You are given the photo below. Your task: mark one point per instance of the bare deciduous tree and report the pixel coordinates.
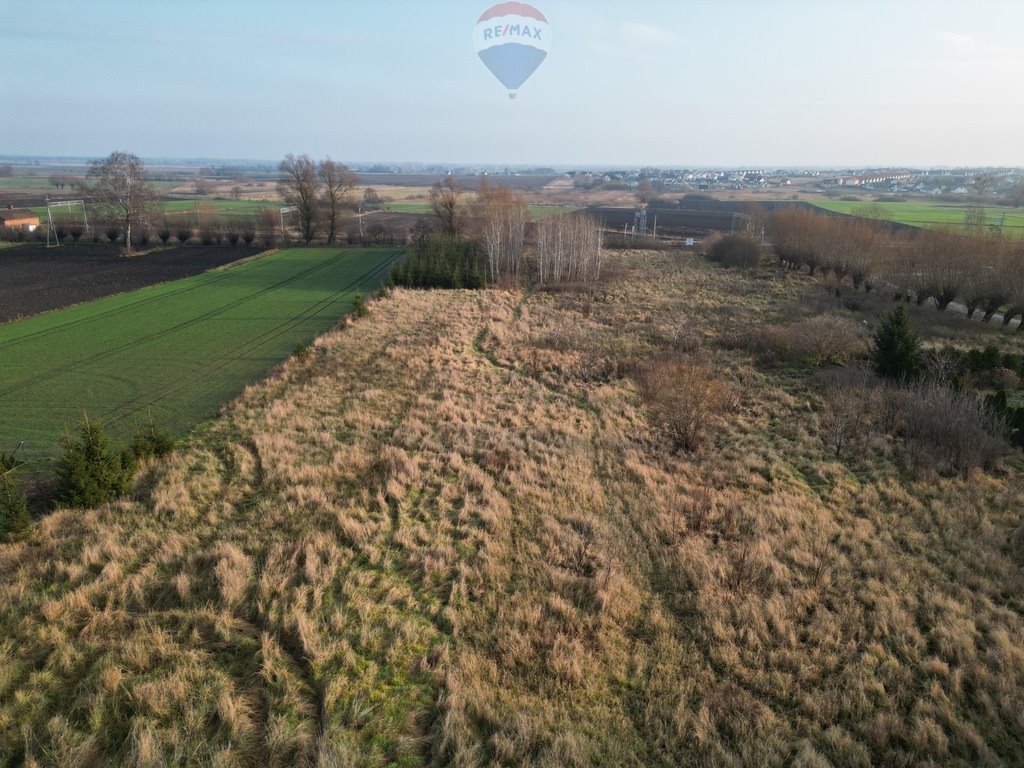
(372, 201)
(203, 186)
(299, 186)
(445, 203)
(119, 186)
(842, 419)
(268, 225)
(645, 191)
(338, 181)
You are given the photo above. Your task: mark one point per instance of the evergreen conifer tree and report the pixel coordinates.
(896, 347)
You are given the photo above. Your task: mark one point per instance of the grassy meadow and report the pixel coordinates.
(453, 534)
(173, 352)
(924, 214)
(224, 208)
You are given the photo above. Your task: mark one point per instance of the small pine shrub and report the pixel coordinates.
(91, 473)
(896, 347)
(14, 515)
(7, 462)
(359, 308)
(150, 441)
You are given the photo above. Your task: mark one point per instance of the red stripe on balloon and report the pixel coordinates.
(513, 9)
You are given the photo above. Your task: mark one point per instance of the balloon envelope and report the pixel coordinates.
(512, 40)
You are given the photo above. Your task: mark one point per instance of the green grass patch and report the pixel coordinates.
(222, 208)
(924, 214)
(23, 183)
(173, 352)
(42, 184)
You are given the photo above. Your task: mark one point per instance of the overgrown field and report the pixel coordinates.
(536, 211)
(174, 352)
(918, 214)
(457, 533)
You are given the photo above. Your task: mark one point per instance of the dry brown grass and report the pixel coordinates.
(441, 539)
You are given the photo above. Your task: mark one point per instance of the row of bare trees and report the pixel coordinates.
(567, 248)
(570, 249)
(981, 271)
(503, 231)
(317, 191)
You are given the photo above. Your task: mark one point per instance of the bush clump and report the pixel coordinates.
(150, 441)
(735, 251)
(91, 473)
(949, 432)
(683, 394)
(1010, 410)
(359, 308)
(815, 341)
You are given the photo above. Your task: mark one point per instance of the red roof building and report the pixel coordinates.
(18, 218)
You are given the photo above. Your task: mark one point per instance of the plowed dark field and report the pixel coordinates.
(35, 279)
(693, 219)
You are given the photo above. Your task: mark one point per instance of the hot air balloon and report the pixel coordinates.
(513, 39)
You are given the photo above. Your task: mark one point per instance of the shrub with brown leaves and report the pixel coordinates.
(820, 340)
(682, 395)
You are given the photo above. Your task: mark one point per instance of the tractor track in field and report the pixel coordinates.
(139, 341)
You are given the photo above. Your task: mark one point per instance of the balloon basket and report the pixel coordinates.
(512, 97)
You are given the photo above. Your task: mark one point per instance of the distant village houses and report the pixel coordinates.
(874, 178)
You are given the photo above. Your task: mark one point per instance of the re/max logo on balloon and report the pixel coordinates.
(513, 30)
(512, 39)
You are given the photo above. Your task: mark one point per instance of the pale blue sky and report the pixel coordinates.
(697, 82)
